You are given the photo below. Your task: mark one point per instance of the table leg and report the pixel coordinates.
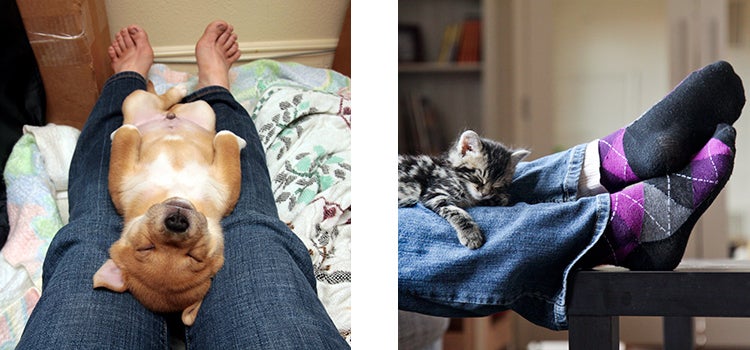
(678, 333)
(593, 332)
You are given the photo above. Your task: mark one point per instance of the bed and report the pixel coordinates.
(303, 116)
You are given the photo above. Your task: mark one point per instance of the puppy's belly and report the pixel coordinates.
(160, 179)
(160, 123)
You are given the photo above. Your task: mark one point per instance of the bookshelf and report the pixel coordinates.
(453, 93)
(504, 95)
(448, 75)
(439, 67)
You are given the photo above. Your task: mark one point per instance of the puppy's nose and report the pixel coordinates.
(177, 222)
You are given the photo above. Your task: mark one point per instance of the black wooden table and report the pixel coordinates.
(702, 288)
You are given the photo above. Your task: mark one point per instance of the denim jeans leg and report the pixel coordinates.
(70, 313)
(552, 178)
(524, 264)
(264, 297)
(230, 115)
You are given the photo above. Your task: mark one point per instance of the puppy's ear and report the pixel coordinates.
(189, 314)
(109, 276)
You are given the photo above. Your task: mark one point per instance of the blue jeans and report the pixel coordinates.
(531, 247)
(264, 297)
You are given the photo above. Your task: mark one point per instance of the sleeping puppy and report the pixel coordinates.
(172, 178)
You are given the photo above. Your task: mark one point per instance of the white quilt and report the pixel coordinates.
(307, 139)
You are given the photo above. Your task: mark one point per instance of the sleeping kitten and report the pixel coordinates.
(475, 171)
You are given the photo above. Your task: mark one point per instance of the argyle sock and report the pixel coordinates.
(664, 138)
(650, 221)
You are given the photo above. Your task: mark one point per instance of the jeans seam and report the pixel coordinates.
(165, 333)
(602, 214)
(503, 302)
(187, 338)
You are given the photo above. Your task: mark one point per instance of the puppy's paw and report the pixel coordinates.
(240, 141)
(124, 127)
(173, 96)
(181, 90)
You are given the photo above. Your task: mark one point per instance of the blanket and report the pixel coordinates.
(303, 116)
(36, 179)
(306, 135)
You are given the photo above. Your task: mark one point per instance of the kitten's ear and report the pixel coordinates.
(517, 156)
(469, 141)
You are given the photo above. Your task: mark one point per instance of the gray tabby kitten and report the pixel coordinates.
(475, 171)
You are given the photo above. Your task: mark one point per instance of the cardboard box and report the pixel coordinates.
(70, 40)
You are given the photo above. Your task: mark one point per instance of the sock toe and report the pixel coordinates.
(720, 77)
(665, 137)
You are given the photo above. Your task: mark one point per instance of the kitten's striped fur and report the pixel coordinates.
(475, 171)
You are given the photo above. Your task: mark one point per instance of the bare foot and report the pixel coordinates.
(215, 52)
(131, 51)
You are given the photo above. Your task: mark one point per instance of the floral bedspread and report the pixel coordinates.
(306, 135)
(303, 116)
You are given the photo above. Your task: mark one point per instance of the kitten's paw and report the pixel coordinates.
(472, 238)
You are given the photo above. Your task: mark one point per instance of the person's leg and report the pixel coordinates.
(70, 313)
(215, 52)
(264, 296)
(552, 178)
(523, 264)
(530, 249)
(660, 141)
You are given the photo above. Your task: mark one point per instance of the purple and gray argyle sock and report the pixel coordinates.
(664, 138)
(650, 221)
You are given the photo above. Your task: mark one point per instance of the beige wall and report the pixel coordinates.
(611, 64)
(265, 28)
(738, 53)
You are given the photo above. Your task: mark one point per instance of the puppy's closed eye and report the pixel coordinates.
(146, 248)
(143, 252)
(194, 257)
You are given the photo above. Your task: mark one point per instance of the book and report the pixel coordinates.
(470, 41)
(449, 45)
(461, 41)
